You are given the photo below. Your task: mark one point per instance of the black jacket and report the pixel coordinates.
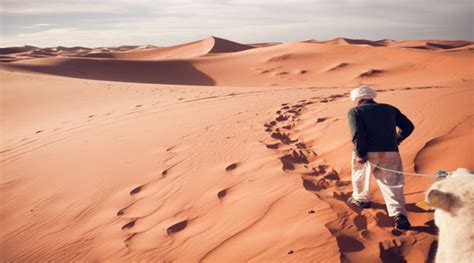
(374, 127)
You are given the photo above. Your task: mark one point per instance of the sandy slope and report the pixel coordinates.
(103, 167)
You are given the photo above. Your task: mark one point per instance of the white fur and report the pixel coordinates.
(456, 226)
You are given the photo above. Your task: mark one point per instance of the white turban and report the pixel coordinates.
(363, 92)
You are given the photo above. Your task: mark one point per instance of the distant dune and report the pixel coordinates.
(216, 61)
(189, 50)
(216, 151)
(348, 41)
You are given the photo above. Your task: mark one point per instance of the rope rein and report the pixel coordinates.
(439, 173)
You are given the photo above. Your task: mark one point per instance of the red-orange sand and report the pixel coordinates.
(216, 151)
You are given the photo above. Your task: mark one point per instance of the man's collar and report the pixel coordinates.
(367, 102)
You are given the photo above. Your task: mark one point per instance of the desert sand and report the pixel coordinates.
(217, 151)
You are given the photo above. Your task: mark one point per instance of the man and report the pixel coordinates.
(374, 135)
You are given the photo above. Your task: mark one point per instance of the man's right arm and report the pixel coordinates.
(405, 125)
(359, 136)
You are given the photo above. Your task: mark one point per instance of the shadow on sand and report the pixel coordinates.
(177, 72)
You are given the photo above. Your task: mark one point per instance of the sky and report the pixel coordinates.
(46, 23)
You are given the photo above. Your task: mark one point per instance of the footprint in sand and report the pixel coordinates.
(222, 193)
(281, 118)
(273, 146)
(282, 137)
(295, 112)
(231, 167)
(177, 227)
(129, 225)
(310, 186)
(136, 190)
(335, 96)
(282, 73)
(392, 251)
(349, 244)
(295, 157)
(120, 212)
(318, 120)
(360, 221)
(300, 145)
(298, 106)
(170, 148)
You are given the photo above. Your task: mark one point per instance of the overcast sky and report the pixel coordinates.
(167, 22)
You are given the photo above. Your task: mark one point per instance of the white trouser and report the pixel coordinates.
(390, 183)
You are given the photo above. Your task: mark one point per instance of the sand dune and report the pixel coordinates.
(28, 52)
(203, 47)
(13, 50)
(164, 72)
(349, 41)
(299, 63)
(431, 44)
(216, 151)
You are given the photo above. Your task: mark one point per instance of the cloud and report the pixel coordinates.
(41, 25)
(166, 22)
(62, 6)
(37, 25)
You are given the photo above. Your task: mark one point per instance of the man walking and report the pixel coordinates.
(375, 137)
